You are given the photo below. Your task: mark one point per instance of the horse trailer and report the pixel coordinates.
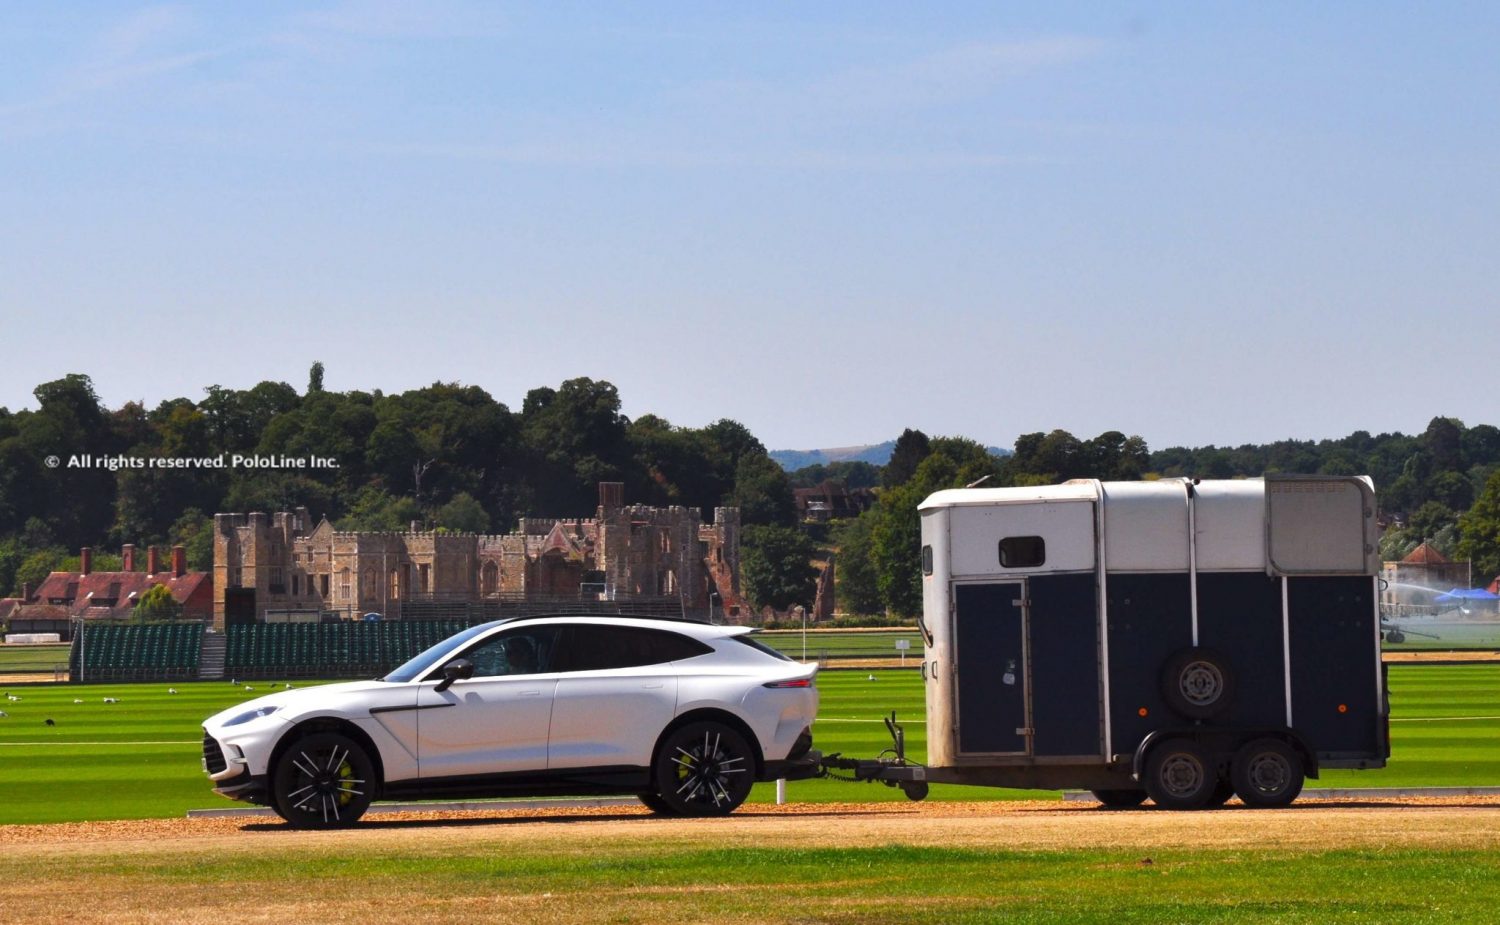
(1180, 639)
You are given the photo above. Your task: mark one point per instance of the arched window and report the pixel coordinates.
(395, 585)
(345, 592)
(490, 578)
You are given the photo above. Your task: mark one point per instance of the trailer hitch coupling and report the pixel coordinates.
(890, 767)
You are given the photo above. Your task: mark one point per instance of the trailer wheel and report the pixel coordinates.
(1180, 775)
(1395, 636)
(1267, 773)
(1120, 799)
(1197, 683)
(915, 790)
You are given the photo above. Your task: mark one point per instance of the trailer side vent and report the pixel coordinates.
(1022, 552)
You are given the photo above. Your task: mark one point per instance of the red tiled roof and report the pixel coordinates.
(78, 592)
(1425, 555)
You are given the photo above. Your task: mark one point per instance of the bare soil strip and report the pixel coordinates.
(1461, 822)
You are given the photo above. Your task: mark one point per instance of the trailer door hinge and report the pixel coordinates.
(1025, 731)
(1021, 602)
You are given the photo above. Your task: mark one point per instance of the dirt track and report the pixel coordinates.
(1469, 822)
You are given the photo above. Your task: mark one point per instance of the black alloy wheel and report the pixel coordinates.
(703, 769)
(323, 781)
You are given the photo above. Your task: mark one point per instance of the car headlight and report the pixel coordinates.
(251, 714)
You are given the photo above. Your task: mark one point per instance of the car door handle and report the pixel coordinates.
(531, 693)
(654, 685)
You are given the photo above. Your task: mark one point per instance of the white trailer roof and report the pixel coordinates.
(1283, 525)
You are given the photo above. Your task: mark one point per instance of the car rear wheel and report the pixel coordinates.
(703, 769)
(323, 781)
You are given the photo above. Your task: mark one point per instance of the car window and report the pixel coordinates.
(427, 658)
(524, 650)
(591, 647)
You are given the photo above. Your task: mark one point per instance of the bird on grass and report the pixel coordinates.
(249, 688)
(50, 722)
(111, 700)
(76, 700)
(3, 714)
(12, 698)
(171, 690)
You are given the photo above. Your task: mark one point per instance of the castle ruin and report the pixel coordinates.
(283, 564)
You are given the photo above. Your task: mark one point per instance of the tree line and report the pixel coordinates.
(1441, 486)
(453, 457)
(448, 455)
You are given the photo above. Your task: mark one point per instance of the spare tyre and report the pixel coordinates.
(1197, 683)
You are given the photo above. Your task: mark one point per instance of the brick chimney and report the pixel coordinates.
(127, 557)
(26, 592)
(153, 560)
(179, 561)
(85, 560)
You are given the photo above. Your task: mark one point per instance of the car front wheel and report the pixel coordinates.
(323, 781)
(703, 769)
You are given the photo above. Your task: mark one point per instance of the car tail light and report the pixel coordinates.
(798, 682)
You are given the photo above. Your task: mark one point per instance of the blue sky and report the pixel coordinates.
(1201, 223)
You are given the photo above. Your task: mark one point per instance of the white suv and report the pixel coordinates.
(685, 715)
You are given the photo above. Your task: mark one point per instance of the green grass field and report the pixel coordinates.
(688, 879)
(836, 644)
(139, 758)
(18, 659)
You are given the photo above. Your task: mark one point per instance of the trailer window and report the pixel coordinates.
(1022, 552)
(926, 560)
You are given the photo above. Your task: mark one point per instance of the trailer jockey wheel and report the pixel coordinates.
(1180, 775)
(1197, 683)
(915, 790)
(1267, 773)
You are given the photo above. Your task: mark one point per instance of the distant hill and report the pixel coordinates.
(876, 453)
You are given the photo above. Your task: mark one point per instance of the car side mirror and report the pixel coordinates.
(460, 669)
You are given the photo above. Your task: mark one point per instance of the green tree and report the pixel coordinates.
(156, 605)
(763, 492)
(35, 568)
(463, 514)
(776, 566)
(315, 378)
(1479, 532)
(911, 448)
(896, 536)
(377, 510)
(194, 531)
(857, 586)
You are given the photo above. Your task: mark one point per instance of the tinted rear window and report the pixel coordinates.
(589, 647)
(757, 644)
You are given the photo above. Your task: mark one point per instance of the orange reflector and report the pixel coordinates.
(1343, 708)
(1143, 711)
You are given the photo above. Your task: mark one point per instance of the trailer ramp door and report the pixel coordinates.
(990, 655)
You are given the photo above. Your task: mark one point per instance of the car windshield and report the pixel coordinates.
(428, 658)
